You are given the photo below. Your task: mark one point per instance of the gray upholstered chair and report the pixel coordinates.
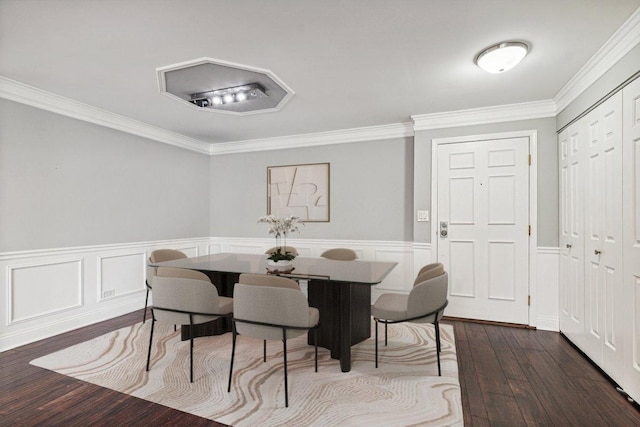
(340, 254)
(269, 309)
(424, 304)
(158, 255)
(284, 249)
(184, 301)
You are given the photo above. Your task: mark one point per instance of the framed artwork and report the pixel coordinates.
(299, 190)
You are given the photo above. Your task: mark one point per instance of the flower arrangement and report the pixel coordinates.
(280, 228)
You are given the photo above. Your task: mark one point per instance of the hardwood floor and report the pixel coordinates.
(509, 377)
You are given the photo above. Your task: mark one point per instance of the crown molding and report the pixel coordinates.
(372, 133)
(29, 95)
(614, 49)
(484, 115)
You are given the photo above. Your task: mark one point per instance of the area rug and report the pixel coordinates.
(404, 390)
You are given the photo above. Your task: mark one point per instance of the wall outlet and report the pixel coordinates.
(109, 293)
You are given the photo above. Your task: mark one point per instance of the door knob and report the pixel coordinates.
(443, 229)
(597, 252)
(568, 246)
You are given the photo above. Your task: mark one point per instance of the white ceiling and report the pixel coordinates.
(351, 64)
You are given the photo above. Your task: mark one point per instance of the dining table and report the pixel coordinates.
(340, 290)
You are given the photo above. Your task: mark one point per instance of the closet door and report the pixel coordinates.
(571, 268)
(603, 236)
(631, 223)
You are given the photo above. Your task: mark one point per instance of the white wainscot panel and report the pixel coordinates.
(215, 248)
(400, 278)
(246, 248)
(121, 274)
(44, 289)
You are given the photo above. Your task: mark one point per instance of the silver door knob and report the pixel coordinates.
(597, 252)
(568, 246)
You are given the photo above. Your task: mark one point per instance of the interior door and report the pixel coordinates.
(603, 235)
(571, 268)
(483, 213)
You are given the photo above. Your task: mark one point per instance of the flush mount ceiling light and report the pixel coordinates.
(216, 86)
(501, 57)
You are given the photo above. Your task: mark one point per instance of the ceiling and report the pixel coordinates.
(351, 64)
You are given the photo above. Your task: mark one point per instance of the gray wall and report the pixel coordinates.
(547, 159)
(371, 190)
(64, 182)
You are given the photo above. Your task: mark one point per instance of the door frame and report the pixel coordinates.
(533, 200)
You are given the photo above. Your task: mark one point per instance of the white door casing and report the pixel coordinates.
(483, 191)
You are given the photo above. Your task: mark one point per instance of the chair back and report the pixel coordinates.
(183, 273)
(161, 255)
(428, 272)
(267, 280)
(284, 249)
(427, 296)
(270, 305)
(340, 254)
(184, 295)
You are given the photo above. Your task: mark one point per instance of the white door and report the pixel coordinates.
(571, 268)
(630, 303)
(603, 235)
(483, 205)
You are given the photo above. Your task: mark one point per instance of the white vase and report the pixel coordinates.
(282, 266)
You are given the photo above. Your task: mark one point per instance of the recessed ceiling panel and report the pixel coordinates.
(197, 83)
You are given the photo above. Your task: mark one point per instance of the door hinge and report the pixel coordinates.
(529, 159)
(529, 230)
(529, 300)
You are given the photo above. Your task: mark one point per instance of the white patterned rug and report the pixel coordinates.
(404, 390)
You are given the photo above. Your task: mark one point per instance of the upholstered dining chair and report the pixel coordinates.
(185, 301)
(340, 254)
(284, 249)
(159, 255)
(270, 309)
(424, 304)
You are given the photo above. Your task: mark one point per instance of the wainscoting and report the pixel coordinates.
(48, 292)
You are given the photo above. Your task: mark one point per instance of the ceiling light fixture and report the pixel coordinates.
(220, 97)
(501, 57)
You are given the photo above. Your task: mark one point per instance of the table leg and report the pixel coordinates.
(345, 327)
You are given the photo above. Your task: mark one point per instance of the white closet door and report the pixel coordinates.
(631, 223)
(571, 222)
(603, 236)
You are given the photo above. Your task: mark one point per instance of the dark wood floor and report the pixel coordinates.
(509, 377)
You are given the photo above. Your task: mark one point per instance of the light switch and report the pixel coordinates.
(423, 216)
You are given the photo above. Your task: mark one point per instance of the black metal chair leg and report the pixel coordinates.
(153, 322)
(438, 346)
(233, 353)
(264, 350)
(385, 333)
(191, 349)
(146, 301)
(376, 342)
(286, 384)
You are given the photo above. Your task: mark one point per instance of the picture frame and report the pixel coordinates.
(299, 190)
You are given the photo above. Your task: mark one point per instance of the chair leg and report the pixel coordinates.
(146, 301)
(385, 333)
(153, 322)
(191, 348)
(264, 350)
(376, 342)
(233, 353)
(436, 324)
(286, 384)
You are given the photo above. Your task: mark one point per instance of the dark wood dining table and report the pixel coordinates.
(340, 290)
